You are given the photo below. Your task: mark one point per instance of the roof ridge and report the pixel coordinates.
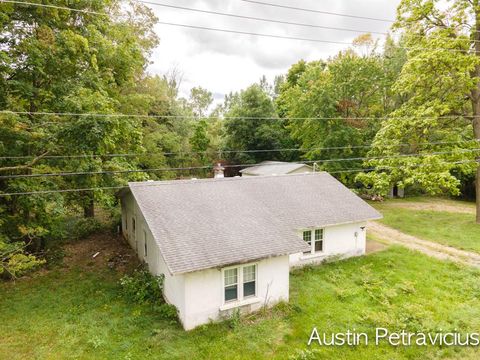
(211, 180)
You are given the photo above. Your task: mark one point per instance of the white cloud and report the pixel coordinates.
(225, 62)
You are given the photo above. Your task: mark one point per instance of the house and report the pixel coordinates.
(276, 168)
(229, 243)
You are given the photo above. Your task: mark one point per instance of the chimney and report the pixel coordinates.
(218, 171)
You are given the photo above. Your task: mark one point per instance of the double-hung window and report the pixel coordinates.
(249, 283)
(307, 237)
(318, 247)
(240, 282)
(315, 240)
(231, 284)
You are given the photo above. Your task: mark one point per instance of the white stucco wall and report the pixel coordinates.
(204, 292)
(338, 241)
(174, 289)
(199, 296)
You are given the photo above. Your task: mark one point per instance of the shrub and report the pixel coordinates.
(14, 262)
(142, 287)
(235, 319)
(85, 227)
(167, 312)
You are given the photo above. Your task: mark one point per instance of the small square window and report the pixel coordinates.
(319, 234)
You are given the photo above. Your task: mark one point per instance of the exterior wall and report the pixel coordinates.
(174, 289)
(199, 296)
(338, 241)
(204, 292)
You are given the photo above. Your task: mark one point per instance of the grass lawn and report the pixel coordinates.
(77, 313)
(457, 229)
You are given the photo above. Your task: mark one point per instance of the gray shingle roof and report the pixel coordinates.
(272, 168)
(201, 224)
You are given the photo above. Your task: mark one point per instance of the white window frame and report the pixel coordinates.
(313, 240)
(240, 296)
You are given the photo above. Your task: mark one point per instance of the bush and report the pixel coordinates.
(142, 287)
(14, 262)
(167, 311)
(85, 227)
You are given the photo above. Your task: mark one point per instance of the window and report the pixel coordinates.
(145, 244)
(316, 245)
(133, 224)
(318, 240)
(231, 284)
(240, 283)
(307, 237)
(249, 281)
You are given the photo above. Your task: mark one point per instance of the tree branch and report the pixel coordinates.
(26, 166)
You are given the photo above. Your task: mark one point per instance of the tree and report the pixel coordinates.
(252, 124)
(60, 61)
(200, 101)
(335, 105)
(441, 88)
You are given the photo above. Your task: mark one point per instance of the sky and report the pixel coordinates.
(225, 62)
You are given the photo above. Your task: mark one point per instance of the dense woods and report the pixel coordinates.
(76, 98)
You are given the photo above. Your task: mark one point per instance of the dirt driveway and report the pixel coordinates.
(439, 251)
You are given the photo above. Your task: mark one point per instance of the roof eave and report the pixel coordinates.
(240, 262)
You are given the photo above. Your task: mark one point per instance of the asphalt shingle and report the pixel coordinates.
(201, 224)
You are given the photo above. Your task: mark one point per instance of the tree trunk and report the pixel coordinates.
(477, 192)
(89, 205)
(475, 96)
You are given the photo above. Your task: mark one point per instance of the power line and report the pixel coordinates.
(152, 3)
(304, 39)
(317, 11)
(245, 32)
(84, 11)
(260, 19)
(112, 172)
(82, 156)
(42, 192)
(254, 34)
(275, 21)
(192, 117)
(220, 14)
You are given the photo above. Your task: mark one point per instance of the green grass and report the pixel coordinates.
(78, 314)
(454, 229)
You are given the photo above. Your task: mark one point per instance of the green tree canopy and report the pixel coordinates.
(440, 86)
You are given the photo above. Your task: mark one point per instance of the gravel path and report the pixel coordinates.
(430, 248)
